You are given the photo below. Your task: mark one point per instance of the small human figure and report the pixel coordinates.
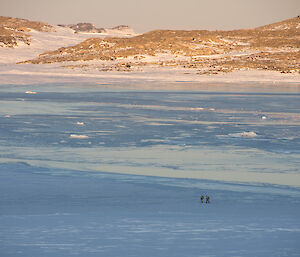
(202, 198)
(207, 199)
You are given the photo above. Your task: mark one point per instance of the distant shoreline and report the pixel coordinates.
(33, 74)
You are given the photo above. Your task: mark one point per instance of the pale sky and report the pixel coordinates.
(146, 15)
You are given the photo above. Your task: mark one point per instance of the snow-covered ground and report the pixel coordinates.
(48, 41)
(26, 74)
(42, 42)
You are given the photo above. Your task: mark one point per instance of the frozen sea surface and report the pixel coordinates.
(50, 212)
(242, 136)
(102, 171)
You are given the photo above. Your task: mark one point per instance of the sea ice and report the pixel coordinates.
(78, 136)
(246, 134)
(52, 212)
(70, 198)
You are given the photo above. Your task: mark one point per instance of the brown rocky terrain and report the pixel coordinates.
(271, 47)
(13, 30)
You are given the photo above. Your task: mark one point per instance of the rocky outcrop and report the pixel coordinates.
(121, 29)
(13, 30)
(83, 27)
(91, 28)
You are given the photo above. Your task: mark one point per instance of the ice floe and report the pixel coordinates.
(78, 136)
(248, 134)
(244, 134)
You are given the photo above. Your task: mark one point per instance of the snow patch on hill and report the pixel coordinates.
(42, 42)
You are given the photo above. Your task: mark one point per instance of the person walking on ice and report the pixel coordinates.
(202, 198)
(207, 199)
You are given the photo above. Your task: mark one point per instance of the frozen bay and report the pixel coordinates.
(64, 147)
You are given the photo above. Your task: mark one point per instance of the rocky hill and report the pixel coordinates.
(272, 47)
(82, 27)
(14, 30)
(121, 29)
(290, 24)
(91, 28)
